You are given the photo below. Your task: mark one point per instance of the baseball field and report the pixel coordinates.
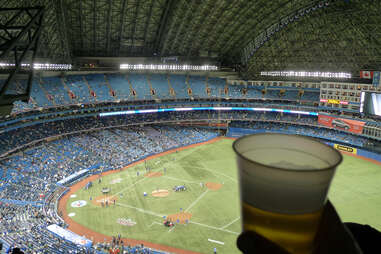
(206, 214)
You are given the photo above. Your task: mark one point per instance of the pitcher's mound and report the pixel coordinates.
(160, 193)
(153, 174)
(98, 200)
(213, 186)
(182, 217)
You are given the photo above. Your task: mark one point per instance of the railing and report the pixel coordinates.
(233, 117)
(86, 111)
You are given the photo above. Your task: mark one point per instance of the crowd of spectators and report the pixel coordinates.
(20, 137)
(24, 227)
(116, 246)
(29, 178)
(312, 131)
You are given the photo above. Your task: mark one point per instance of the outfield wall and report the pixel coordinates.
(356, 151)
(238, 132)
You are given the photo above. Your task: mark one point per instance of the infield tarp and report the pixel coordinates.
(73, 177)
(69, 236)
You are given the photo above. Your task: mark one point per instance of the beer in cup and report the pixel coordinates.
(284, 181)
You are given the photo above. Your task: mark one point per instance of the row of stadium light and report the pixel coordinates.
(145, 111)
(306, 74)
(46, 66)
(168, 67)
(39, 66)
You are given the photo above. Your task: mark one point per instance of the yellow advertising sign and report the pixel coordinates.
(332, 101)
(347, 149)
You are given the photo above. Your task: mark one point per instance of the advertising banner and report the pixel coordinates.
(347, 149)
(376, 79)
(341, 123)
(333, 101)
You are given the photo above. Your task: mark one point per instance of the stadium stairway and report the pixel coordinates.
(76, 84)
(120, 85)
(139, 84)
(152, 90)
(197, 84)
(54, 87)
(160, 84)
(92, 93)
(178, 83)
(98, 84)
(41, 95)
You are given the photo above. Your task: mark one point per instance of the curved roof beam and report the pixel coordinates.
(254, 45)
(336, 39)
(169, 6)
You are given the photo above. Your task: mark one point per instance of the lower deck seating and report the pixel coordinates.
(28, 179)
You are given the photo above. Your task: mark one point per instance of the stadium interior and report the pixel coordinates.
(92, 86)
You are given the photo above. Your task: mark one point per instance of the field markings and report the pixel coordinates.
(215, 241)
(178, 179)
(161, 216)
(195, 202)
(171, 229)
(141, 210)
(132, 185)
(219, 229)
(154, 223)
(227, 225)
(215, 172)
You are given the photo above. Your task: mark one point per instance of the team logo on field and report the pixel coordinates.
(79, 203)
(126, 222)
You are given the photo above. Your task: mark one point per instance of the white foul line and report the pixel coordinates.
(154, 223)
(177, 179)
(161, 216)
(128, 187)
(215, 241)
(198, 199)
(141, 210)
(227, 225)
(213, 171)
(220, 229)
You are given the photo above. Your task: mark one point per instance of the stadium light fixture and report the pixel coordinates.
(306, 74)
(166, 67)
(39, 66)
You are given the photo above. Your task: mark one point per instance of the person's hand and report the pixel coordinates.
(252, 242)
(332, 238)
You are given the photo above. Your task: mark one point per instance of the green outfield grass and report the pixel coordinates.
(355, 193)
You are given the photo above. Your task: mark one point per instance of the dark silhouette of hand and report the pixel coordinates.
(333, 237)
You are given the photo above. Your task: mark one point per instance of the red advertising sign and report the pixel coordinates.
(341, 123)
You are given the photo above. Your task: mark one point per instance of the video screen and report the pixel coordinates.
(371, 103)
